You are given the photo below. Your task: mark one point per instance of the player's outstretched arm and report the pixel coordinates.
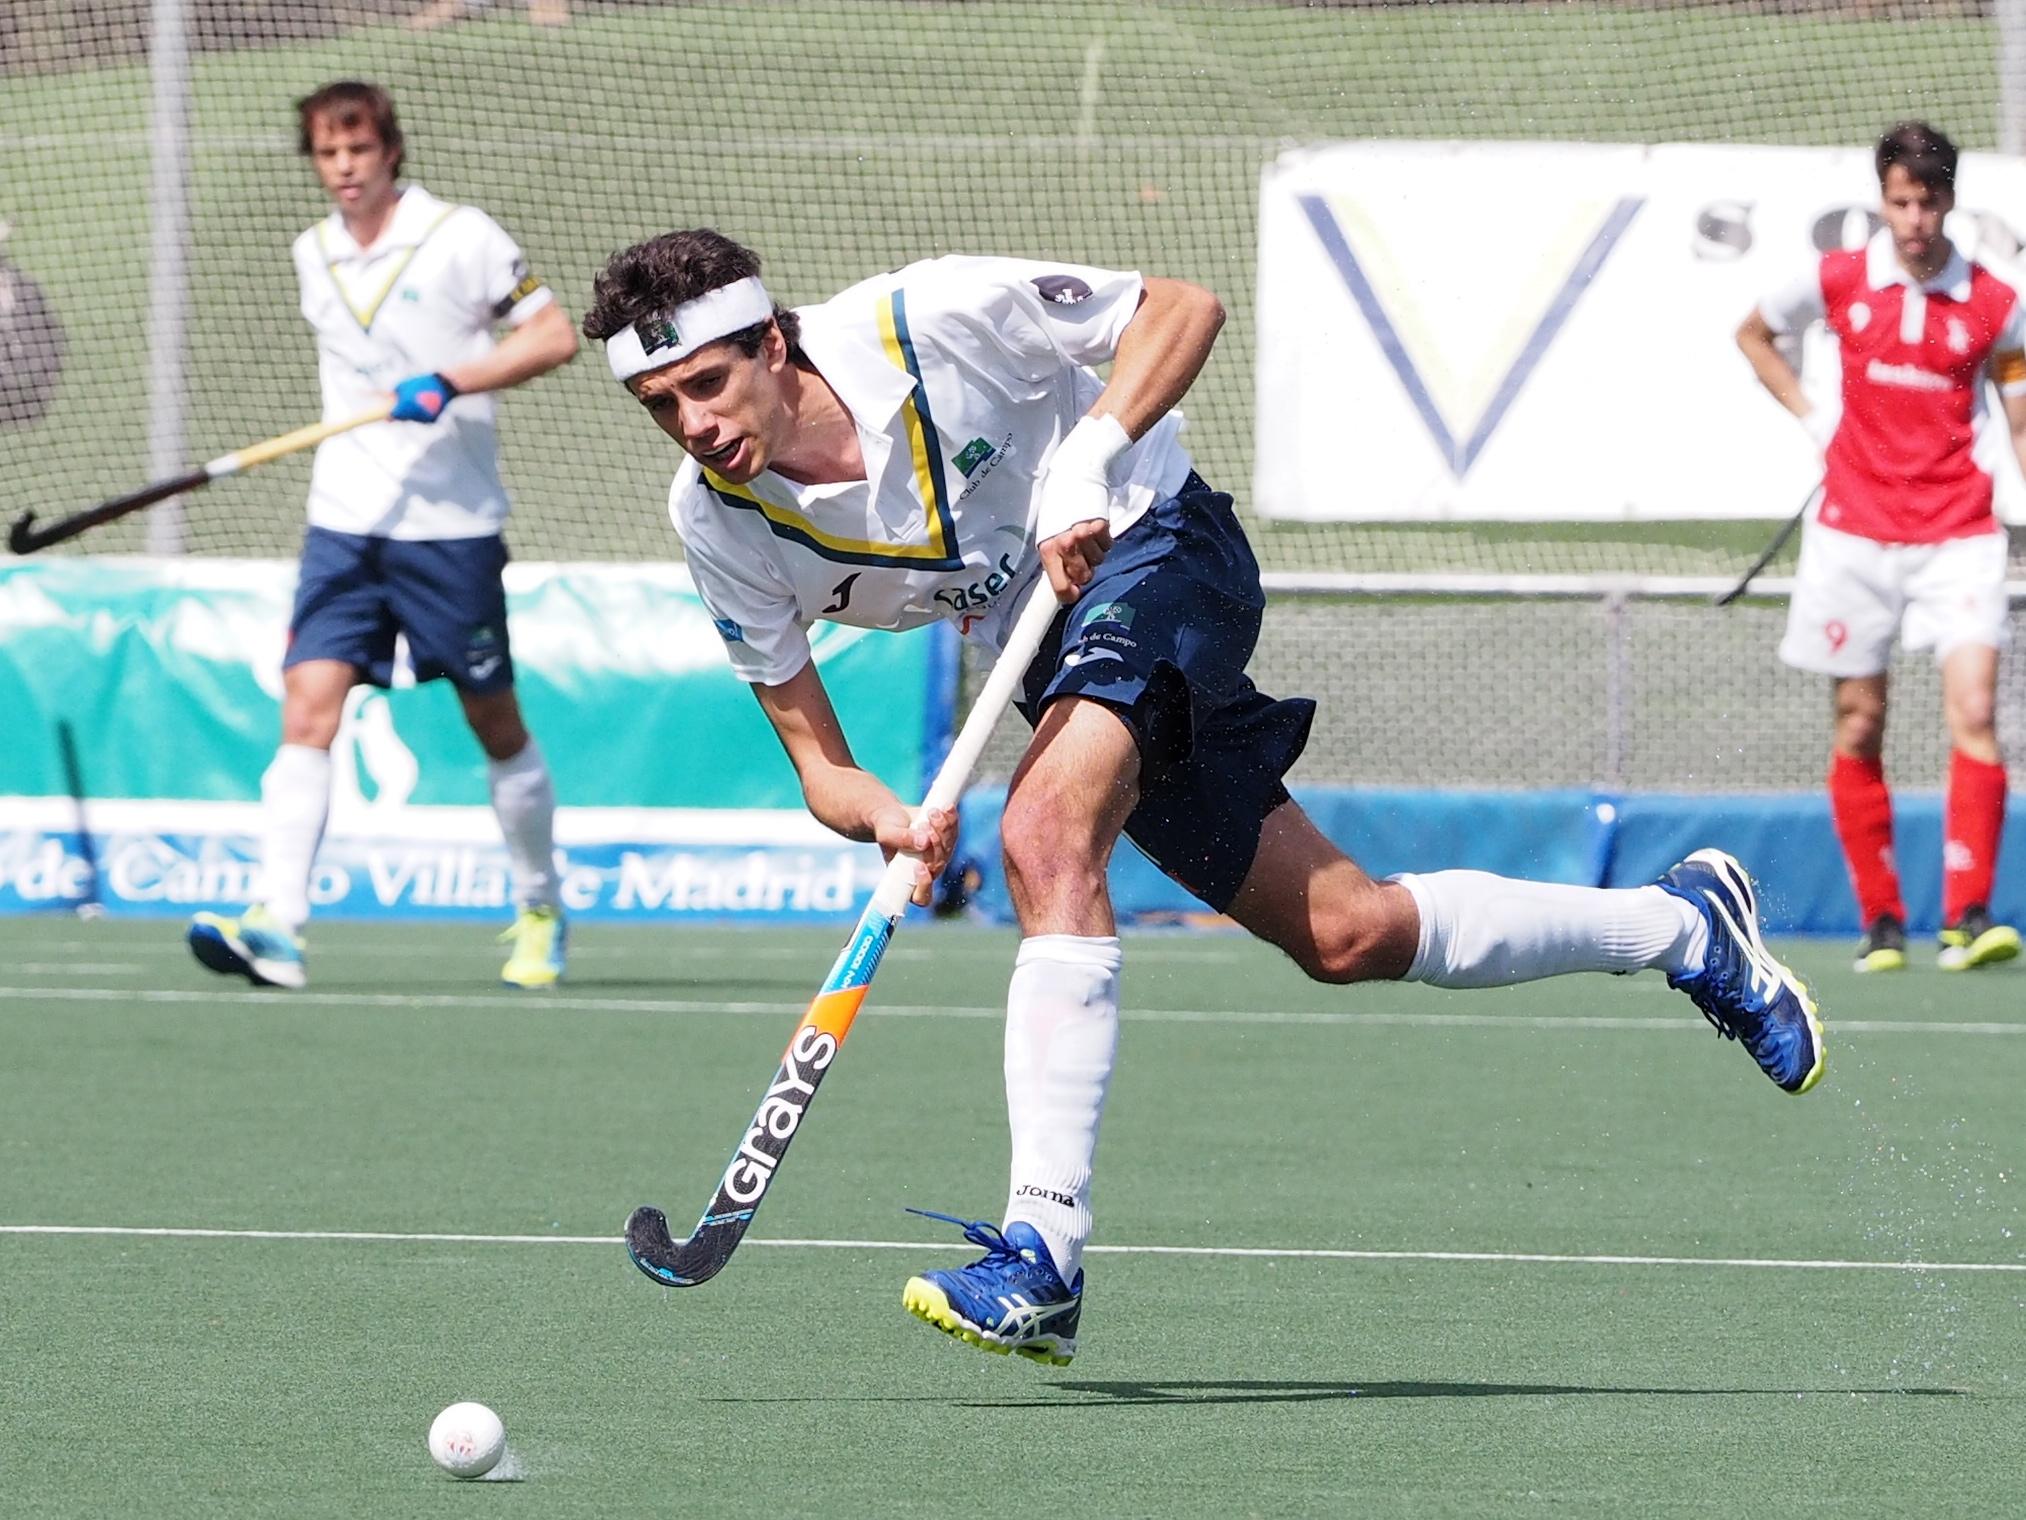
(843, 796)
(546, 341)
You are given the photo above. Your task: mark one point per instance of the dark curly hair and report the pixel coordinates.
(653, 278)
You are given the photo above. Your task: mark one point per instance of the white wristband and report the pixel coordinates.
(1077, 485)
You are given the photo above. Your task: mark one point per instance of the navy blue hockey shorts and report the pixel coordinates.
(356, 592)
(1161, 636)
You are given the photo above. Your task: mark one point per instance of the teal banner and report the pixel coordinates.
(137, 679)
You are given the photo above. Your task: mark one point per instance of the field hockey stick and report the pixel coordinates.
(815, 1042)
(26, 538)
(1724, 599)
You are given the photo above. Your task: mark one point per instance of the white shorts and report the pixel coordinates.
(1852, 594)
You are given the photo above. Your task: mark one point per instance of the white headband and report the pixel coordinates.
(655, 342)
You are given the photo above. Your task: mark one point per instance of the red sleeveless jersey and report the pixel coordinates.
(1900, 467)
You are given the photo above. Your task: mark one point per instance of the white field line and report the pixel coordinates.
(1161, 946)
(503, 1002)
(73, 968)
(1274, 1253)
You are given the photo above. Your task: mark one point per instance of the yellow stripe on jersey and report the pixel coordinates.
(790, 524)
(923, 445)
(925, 450)
(2009, 369)
(372, 309)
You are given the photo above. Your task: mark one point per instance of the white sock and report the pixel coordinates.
(1480, 930)
(1062, 1034)
(524, 797)
(295, 799)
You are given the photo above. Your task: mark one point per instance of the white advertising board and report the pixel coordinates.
(1544, 332)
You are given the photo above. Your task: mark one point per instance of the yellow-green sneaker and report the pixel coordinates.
(1974, 940)
(539, 937)
(1883, 947)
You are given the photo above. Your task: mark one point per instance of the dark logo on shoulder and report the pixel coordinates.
(1062, 289)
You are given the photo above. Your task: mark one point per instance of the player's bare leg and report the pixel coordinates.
(1975, 816)
(1065, 809)
(1860, 802)
(1312, 900)
(264, 944)
(1449, 928)
(524, 800)
(1067, 805)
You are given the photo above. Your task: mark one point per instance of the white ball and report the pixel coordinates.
(467, 1440)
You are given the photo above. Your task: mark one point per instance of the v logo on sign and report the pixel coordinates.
(1461, 453)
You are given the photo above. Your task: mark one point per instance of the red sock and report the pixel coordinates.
(1973, 824)
(1862, 807)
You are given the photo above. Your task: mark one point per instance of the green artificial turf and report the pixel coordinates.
(1587, 1118)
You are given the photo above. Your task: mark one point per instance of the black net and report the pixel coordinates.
(839, 137)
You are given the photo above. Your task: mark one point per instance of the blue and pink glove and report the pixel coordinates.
(421, 398)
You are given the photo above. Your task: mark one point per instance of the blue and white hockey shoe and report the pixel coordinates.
(1010, 1300)
(255, 945)
(1741, 989)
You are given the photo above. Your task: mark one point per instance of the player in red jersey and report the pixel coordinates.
(1905, 540)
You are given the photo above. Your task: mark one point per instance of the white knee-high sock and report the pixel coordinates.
(1062, 1034)
(524, 798)
(1480, 930)
(295, 801)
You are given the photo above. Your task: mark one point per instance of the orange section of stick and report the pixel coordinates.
(832, 1012)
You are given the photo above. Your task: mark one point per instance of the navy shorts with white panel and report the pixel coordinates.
(356, 592)
(1161, 635)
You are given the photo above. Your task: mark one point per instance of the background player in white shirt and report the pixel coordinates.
(926, 446)
(1905, 541)
(403, 291)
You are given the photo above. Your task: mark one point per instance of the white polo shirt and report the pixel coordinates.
(424, 297)
(962, 374)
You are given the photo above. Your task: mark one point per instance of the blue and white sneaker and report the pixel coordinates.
(1741, 989)
(256, 945)
(1010, 1300)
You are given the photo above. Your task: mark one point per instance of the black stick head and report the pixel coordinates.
(21, 537)
(648, 1241)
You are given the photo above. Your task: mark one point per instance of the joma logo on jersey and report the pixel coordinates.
(752, 1166)
(979, 593)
